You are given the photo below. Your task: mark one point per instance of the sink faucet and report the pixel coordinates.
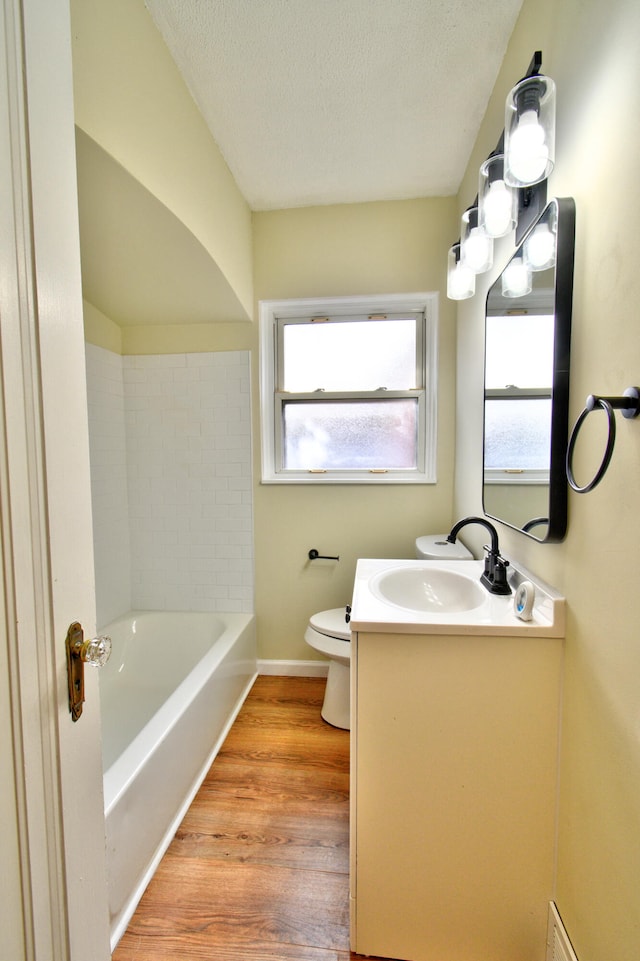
(494, 576)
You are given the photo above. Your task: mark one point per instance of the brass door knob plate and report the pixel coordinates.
(95, 651)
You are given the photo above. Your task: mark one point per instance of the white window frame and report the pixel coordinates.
(270, 311)
(520, 475)
(515, 476)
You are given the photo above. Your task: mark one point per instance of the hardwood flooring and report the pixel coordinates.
(259, 868)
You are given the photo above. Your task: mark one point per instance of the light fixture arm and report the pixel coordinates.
(534, 67)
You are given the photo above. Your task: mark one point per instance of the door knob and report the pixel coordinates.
(95, 651)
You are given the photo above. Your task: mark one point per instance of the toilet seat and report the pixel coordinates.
(329, 634)
(332, 623)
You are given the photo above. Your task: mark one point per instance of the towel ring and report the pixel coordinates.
(629, 404)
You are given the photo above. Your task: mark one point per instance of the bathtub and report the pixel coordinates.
(169, 694)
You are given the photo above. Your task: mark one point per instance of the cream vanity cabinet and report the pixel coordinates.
(453, 794)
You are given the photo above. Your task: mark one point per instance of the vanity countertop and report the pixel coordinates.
(494, 616)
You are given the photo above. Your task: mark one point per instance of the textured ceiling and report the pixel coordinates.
(339, 101)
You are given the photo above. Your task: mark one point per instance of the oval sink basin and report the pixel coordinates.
(428, 589)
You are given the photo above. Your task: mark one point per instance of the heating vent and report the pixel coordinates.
(558, 943)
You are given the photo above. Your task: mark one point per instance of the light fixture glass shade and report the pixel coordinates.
(540, 248)
(529, 131)
(461, 280)
(516, 278)
(497, 201)
(476, 246)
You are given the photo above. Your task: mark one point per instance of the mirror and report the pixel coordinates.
(526, 379)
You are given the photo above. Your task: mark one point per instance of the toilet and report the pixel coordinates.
(328, 633)
(436, 547)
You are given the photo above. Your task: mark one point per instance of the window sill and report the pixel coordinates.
(364, 478)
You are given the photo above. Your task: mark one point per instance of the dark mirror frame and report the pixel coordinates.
(563, 296)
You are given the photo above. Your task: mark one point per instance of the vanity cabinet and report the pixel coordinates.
(453, 794)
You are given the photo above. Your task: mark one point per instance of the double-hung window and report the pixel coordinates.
(348, 390)
(517, 407)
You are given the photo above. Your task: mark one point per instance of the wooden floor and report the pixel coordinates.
(258, 870)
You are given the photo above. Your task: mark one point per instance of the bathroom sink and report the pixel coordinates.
(403, 596)
(431, 589)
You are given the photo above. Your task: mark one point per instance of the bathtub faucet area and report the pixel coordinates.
(494, 576)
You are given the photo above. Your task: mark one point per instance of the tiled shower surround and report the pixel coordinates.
(170, 440)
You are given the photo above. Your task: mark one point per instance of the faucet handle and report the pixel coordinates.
(494, 577)
(500, 574)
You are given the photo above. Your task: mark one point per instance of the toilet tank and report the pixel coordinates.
(436, 547)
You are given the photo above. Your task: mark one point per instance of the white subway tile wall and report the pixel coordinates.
(108, 451)
(187, 426)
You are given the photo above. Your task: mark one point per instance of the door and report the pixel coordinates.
(53, 821)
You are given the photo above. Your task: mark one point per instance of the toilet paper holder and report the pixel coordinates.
(315, 555)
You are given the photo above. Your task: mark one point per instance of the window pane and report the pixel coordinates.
(350, 435)
(517, 434)
(509, 362)
(350, 355)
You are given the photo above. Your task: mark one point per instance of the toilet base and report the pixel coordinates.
(337, 696)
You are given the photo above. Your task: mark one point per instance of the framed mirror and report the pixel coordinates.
(526, 379)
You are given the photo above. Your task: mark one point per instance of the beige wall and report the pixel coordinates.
(334, 251)
(592, 50)
(131, 100)
(100, 330)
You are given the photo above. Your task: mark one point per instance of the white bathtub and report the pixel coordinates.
(169, 693)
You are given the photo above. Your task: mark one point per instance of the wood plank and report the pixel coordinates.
(276, 784)
(303, 751)
(264, 836)
(288, 690)
(209, 901)
(174, 949)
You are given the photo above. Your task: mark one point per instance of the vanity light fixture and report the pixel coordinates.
(476, 245)
(516, 278)
(540, 247)
(529, 127)
(497, 201)
(461, 280)
(512, 191)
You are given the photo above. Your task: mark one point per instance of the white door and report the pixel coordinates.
(52, 833)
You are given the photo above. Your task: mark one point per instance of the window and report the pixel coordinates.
(348, 390)
(517, 409)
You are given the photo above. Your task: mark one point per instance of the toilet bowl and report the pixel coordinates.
(328, 633)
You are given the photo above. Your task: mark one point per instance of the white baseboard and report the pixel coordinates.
(293, 668)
